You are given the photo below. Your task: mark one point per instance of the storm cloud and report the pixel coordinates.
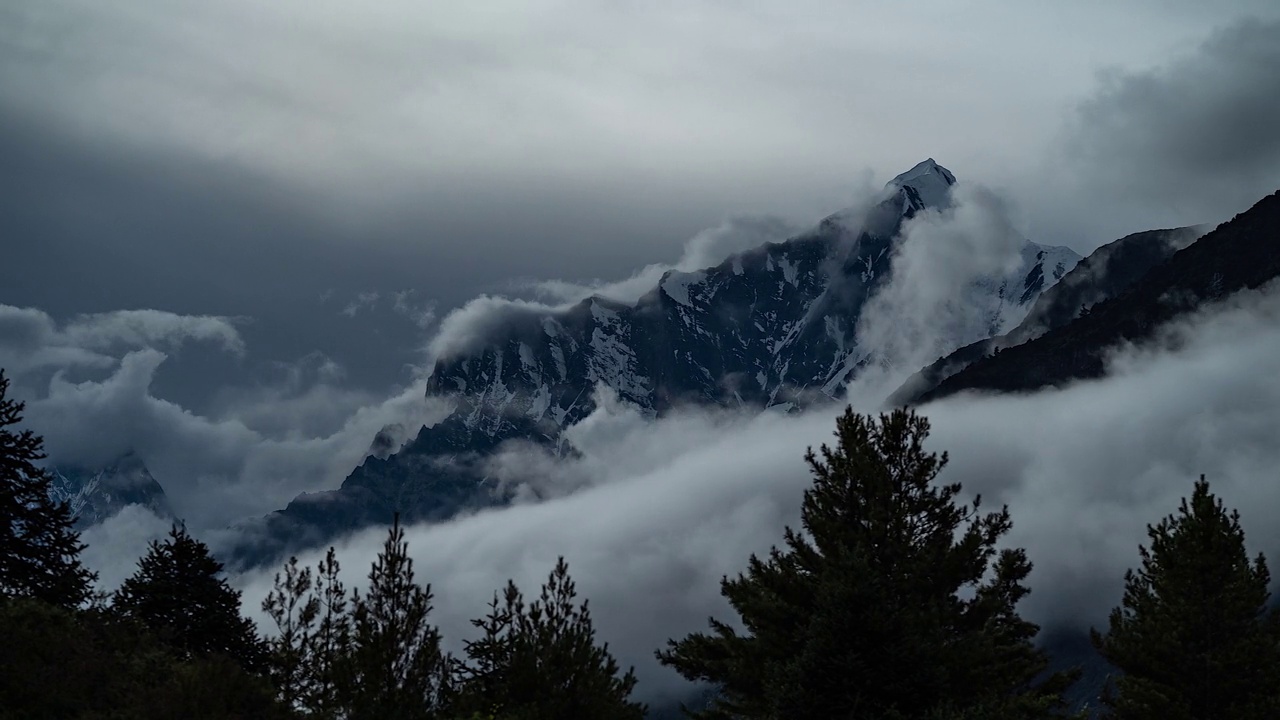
(1191, 140)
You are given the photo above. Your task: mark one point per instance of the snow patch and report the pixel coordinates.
(676, 285)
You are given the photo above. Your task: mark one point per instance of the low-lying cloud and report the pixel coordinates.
(88, 384)
(673, 505)
(217, 470)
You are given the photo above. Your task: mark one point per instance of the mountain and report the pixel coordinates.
(775, 326)
(1107, 272)
(96, 494)
(1238, 255)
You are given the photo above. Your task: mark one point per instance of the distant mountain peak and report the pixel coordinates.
(96, 493)
(927, 185)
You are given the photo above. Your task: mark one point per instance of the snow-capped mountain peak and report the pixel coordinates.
(927, 185)
(776, 326)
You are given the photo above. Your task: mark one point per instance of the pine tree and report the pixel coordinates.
(542, 661)
(893, 601)
(396, 669)
(294, 609)
(310, 655)
(1193, 635)
(39, 547)
(177, 592)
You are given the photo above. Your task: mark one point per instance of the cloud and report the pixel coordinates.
(654, 513)
(930, 301)
(116, 544)
(1190, 140)
(1204, 123)
(363, 300)
(469, 327)
(30, 339)
(253, 457)
(705, 249)
(423, 315)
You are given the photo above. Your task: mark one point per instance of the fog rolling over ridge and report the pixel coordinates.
(782, 326)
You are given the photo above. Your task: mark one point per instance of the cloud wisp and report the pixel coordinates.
(31, 340)
(931, 299)
(468, 327)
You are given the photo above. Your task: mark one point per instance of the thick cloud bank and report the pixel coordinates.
(1190, 140)
(88, 386)
(669, 507)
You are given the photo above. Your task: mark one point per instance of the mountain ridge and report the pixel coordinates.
(774, 326)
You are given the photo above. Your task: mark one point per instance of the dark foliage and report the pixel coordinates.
(893, 601)
(541, 660)
(59, 663)
(39, 547)
(177, 592)
(1193, 635)
(396, 669)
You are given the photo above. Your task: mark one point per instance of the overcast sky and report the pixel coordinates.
(244, 158)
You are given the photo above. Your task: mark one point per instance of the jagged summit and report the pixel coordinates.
(926, 185)
(97, 493)
(776, 326)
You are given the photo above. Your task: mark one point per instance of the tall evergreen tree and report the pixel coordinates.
(294, 609)
(396, 669)
(542, 661)
(39, 547)
(893, 601)
(177, 592)
(1193, 635)
(310, 655)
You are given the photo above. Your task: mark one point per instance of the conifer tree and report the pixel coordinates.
(39, 547)
(541, 660)
(892, 602)
(310, 655)
(294, 609)
(1193, 635)
(396, 669)
(177, 592)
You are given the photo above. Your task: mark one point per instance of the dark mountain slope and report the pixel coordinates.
(1107, 272)
(1241, 254)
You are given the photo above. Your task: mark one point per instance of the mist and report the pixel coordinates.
(662, 510)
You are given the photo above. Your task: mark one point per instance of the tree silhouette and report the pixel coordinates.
(39, 547)
(177, 592)
(892, 602)
(396, 669)
(1193, 634)
(541, 660)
